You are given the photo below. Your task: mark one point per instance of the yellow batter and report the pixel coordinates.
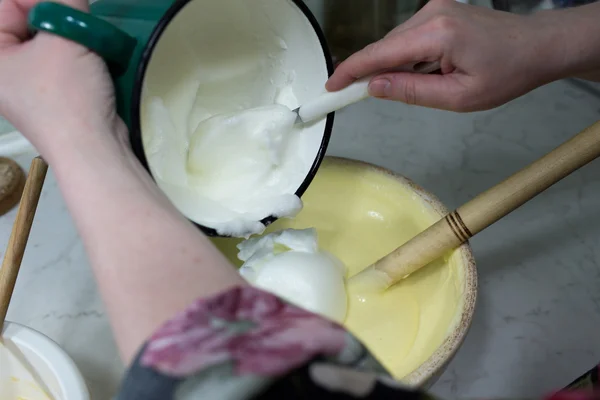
(360, 215)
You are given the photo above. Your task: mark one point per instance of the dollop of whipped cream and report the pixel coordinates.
(289, 264)
(234, 170)
(240, 156)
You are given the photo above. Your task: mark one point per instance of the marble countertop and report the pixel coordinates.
(538, 318)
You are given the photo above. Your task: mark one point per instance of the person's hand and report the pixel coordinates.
(50, 88)
(487, 58)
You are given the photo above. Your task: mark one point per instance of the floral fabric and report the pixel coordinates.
(257, 334)
(247, 344)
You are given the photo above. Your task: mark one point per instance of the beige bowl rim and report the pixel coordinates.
(439, 360)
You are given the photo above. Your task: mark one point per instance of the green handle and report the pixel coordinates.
(109, 42)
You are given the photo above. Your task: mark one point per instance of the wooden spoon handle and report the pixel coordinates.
(20, 233)
(459, 226)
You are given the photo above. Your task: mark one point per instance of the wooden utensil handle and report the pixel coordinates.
(20, 233)
(487, 208)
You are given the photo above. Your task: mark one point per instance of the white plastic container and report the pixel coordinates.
(52, 369)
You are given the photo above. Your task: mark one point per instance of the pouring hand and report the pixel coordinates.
(487, 57)
(50, 86)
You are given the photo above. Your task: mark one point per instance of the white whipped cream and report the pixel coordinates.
(247, 153)
(214, 60)
(289, 264)
(234, 170)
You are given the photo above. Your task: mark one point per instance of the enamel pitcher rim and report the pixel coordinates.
(135, 133)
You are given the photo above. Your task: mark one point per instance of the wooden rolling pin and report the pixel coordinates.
(20, 233)
(476, 215)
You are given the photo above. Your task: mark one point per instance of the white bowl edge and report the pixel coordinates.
(64, 370)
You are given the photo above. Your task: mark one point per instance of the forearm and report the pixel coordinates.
(575, 50)
(149, 261)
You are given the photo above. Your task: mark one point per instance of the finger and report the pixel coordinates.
(388, 53)
(434, 91)
(13, 22)
(13, 18)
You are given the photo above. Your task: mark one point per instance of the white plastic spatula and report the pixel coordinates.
(329, 102)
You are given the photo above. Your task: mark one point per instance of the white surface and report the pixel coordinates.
(14, 143)
(36, 365)
(289, 264)
(538, 317)
(221, 57)
(5, 126)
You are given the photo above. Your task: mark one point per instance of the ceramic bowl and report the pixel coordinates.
(52, 368)
(364, 214)
(430, 371)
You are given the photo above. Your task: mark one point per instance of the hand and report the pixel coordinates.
(487, 58)
(50, 88)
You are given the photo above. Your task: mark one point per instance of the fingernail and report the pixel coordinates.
(380, 88)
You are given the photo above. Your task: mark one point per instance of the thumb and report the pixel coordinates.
(433, 91)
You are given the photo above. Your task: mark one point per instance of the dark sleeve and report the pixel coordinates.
(246, 344)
